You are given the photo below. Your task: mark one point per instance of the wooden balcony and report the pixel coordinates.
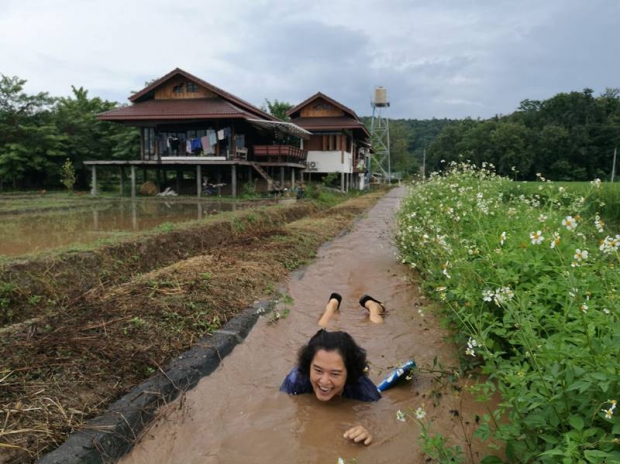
(280, 153)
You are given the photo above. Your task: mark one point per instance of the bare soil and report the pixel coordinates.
(79, 331)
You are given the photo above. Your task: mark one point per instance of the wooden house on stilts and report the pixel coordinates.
(197, 130)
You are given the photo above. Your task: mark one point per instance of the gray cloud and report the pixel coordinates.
(447, 58)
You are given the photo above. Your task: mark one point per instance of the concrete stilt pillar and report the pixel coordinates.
(199, 181)
(342, 181)
(93, 171)
(234, 180)
(122, 186)
(133, 182)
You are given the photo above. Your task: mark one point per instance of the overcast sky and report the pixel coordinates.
(437, 58)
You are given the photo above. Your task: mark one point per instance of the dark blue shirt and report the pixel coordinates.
(296, 383)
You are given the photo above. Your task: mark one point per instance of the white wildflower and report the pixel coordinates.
(420, 413)
(536, 237)
(581, 255)
(445, 269)
(569, 222)
(401, 416)
(610, 244)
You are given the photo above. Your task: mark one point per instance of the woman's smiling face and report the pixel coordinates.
(328, 374)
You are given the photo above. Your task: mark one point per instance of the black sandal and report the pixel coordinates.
(366, 298)
(335, 296)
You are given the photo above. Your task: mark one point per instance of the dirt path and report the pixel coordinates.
(237, 415)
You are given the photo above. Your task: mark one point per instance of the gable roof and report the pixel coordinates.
(144, 94)
(318, 95)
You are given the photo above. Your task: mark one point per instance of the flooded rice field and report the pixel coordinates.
(31, 232)
(237, 414)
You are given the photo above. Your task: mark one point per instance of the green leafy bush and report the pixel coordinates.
(531, 281)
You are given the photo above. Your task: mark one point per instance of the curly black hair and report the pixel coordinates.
(353, 355)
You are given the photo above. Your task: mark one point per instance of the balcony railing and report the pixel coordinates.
(281, 152)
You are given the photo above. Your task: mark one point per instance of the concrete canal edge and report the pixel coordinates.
(110, 436)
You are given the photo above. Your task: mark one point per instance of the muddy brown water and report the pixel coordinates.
(34, 232)
(237, 414)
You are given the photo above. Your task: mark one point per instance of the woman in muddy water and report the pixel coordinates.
(333, 366)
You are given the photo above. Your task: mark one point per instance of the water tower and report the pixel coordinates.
(379, 161)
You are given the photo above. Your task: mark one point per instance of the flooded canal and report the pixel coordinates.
(33, 232)
(237, 414)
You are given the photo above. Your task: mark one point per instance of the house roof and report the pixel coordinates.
(145, 108)
(145, 94)
(330, 123)
(316, 96)
(193, 108)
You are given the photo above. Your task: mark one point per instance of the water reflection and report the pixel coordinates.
(32, 232)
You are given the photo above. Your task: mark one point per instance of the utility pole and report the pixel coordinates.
(613, 166)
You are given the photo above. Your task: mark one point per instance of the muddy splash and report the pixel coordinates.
(237, 415)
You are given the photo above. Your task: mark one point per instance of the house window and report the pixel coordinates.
(192, 87)
(330, 142)
(178, 88)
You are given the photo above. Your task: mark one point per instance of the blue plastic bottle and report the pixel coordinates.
(396, 375)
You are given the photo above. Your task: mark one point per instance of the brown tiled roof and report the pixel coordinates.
(330, 123)
(324, 97)
(143, 94)
(192, 108)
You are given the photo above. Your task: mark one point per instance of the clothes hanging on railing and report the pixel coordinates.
(207, 149)
(196, 145)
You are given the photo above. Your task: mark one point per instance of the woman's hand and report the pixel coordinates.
(358, 434)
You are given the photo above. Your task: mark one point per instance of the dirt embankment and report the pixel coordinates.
(33, 287)
(87, 327)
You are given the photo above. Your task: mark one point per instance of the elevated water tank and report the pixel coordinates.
(380, 97)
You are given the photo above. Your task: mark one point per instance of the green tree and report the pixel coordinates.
(277, 109)
(29, 141)
(88, 138)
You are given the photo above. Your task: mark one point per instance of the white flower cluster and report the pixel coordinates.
(610, 412)
(610, 244)
(599, 223)
(471, 344)
(498, 296)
